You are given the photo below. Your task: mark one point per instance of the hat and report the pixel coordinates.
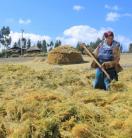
(109, 33)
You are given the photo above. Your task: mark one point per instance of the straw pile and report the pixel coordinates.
(64, 55)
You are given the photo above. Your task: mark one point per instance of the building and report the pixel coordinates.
(34, 49)
(16, 50)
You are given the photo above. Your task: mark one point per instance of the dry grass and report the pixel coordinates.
(81, 131)
(59, 102)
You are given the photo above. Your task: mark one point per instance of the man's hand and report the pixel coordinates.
(108, 64)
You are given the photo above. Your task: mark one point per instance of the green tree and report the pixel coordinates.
(39, 45)
(28, 43)
(19, 43)
(44, 46)
(5, 39)
(95, 44)
(51, 44)
(57, 43)
(15, 44)
(130, 47)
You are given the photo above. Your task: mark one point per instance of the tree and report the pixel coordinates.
(15, 44)
(39, 45)
(51, 44)
(57, 43)
(28, 43)
(19, 43)
(44, 46)
(5, 39)
(130, 47)
(96, 43)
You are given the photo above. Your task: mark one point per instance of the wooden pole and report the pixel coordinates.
(99, 65)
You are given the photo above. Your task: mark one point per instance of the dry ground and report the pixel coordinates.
(39, 63)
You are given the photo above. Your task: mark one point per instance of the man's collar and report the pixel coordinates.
(107, 43)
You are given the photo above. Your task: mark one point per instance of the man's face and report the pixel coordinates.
(109, 40)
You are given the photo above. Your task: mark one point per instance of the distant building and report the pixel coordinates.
(16, 50)
(34, 49)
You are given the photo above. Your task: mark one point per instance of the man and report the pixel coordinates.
(108, 55)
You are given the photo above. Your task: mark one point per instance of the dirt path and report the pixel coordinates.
(40, 63)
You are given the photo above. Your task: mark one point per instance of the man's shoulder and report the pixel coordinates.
(116, 43)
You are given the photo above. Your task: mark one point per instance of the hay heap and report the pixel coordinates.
(64, 55)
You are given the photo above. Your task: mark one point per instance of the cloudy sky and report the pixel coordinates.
(68, 20)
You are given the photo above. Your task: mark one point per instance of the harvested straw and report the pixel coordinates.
(64, 55)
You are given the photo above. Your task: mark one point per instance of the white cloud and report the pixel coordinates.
(115, 7)
(85, 33)
(25, 22)
(34, 37)
(112, 16)
(81, 33)
(78, 7)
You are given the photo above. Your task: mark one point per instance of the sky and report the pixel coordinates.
(68, 20)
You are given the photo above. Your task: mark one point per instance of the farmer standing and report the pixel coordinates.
(108, 55)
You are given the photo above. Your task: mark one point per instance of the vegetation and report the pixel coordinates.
(5, 39)
(57, 43)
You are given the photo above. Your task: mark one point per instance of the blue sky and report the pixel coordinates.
(68, 20)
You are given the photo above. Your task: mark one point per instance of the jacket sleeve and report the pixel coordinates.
(116, 53)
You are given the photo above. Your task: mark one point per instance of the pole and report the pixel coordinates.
(22, 41)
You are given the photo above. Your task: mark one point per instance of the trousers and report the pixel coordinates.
(101, 81)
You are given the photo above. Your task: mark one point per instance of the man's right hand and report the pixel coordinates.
(109, 64)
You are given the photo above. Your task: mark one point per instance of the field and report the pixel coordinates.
(38, 100)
